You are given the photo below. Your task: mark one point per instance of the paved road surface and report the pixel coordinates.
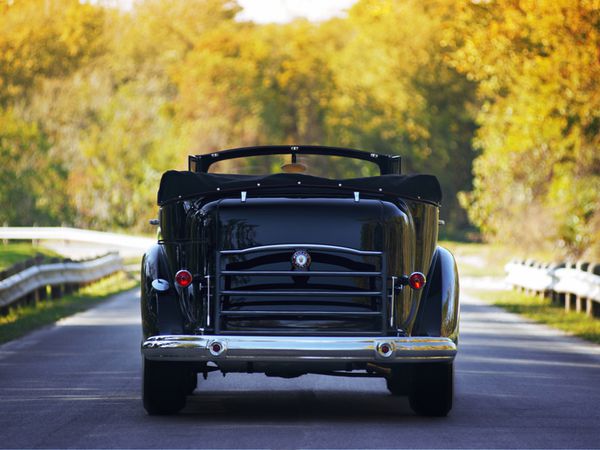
(77, 385)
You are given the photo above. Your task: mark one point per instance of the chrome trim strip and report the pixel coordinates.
(298, 348)
(207, 300)
(306, 293)
(392, 301)
(307, 313)
(295, 246)
(310, 273)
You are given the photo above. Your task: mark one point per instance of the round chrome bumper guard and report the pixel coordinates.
(385, 349)
(216, 348)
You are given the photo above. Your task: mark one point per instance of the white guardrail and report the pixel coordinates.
(66, 238)
(33, 281)
(577, 285)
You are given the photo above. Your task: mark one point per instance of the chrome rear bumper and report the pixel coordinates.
(298, 348)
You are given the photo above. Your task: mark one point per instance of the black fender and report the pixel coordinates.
(161, 313)
(439, 309)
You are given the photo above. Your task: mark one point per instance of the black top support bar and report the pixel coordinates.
(388, 164)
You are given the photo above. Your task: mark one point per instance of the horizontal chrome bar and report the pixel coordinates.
(304, 331)
(303, 293)
(300, 313)
(295, 246)
(306, 273)
(299, 348)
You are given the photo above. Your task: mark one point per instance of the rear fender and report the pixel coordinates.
(161, 313)
(438, 313)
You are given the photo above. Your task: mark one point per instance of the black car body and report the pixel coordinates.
(287, 274)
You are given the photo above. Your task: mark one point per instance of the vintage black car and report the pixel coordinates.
(288, 274)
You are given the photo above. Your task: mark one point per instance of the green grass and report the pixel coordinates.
(22, 320)
(13, 253)
(543, 311)
(478, 260)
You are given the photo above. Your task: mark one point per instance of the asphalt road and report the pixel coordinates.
(77, 385)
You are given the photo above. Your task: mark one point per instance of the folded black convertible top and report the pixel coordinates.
(184, 184)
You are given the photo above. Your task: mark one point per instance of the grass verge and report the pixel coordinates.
(13, 253)
(479, 260)
(486, 260)
(21, 320)
(543, 311)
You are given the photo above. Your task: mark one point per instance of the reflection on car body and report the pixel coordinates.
(289, 273)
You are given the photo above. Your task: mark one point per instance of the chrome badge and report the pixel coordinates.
(301, 259)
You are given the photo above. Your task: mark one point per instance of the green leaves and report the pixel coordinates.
(31, 190)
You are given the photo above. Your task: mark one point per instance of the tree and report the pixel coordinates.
(45, 38)
(537, 67)
(397, 94)
(32, 189)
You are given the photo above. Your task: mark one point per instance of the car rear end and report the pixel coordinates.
(298, 278)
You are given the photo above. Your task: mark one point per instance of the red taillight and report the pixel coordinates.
(416, 280)
(183, 278)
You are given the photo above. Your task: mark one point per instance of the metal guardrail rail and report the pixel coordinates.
(576, 285)
(32, 283)
(108, 241)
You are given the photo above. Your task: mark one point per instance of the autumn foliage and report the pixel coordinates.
(499, 99)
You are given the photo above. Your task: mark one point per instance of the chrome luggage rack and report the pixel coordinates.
(364, 266)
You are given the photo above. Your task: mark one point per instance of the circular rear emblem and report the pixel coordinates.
(301, 259)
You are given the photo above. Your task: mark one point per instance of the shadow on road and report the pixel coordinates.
(291, 406)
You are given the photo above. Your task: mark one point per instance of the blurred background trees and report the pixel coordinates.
(537, 68)
(499, 99)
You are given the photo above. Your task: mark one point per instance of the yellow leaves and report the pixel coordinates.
(125, 95)
(538, 70)
(45, 39)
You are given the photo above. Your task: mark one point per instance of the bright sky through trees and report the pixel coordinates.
(281, 11)
(272, 11)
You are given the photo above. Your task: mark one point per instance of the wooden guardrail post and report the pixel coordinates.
(558, 298)
(543, 293)
(68, 288)
(524, 263)
(569, 298)
(592, 307)
(55, 291)
(30, 299)
(529, 263)
(580, 300)
(42, 293)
